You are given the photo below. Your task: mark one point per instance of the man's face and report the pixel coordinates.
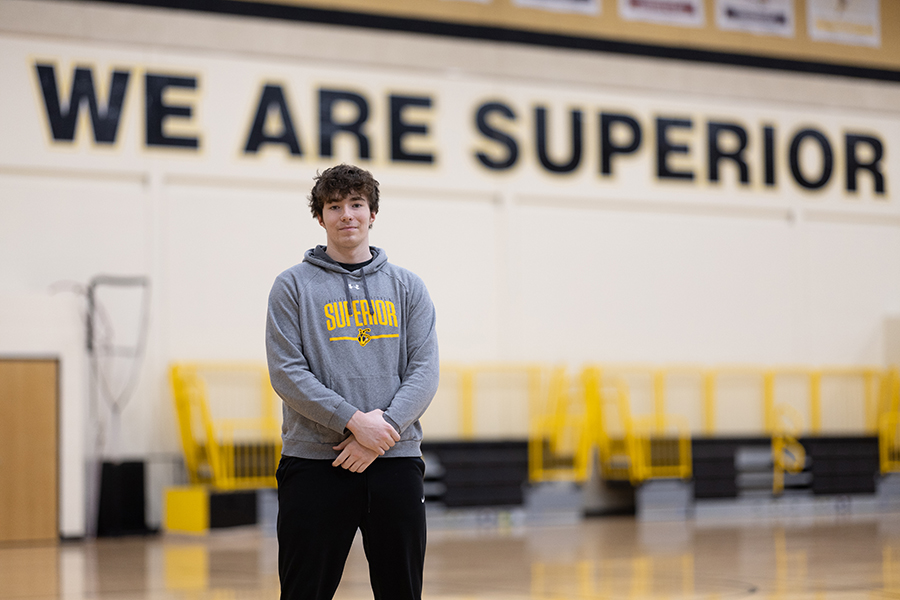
(346, 221)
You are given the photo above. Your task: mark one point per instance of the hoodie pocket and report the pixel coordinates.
(307, 430)
(368, 393)
(328, 436)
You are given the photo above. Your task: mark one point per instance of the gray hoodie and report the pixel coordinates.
(338, 341)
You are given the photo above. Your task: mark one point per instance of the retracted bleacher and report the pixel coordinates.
(494, 430)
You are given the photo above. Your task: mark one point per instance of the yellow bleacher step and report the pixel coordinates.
(195, 509)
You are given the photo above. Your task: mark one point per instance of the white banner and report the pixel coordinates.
(212, 117)
(851, 22)
(666, 12)
(770, 17)
(587, 7)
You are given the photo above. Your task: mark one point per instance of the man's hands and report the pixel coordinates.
(371, 436)
(372, 431)
(354, 456)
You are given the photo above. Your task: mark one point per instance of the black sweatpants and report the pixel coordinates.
(320, 507)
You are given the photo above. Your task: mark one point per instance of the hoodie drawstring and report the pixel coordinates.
(369, 308)
(347, 293)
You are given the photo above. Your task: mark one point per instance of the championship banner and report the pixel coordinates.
(765, 17)
(850, 22)
(587, 7)
(665, 12)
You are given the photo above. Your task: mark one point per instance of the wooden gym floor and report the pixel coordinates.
(610, 558)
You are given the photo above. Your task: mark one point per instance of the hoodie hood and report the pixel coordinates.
(318, 257)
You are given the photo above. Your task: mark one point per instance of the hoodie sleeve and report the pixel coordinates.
(419, 381)
(289, 370)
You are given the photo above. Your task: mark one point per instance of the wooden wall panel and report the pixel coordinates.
(28, 450)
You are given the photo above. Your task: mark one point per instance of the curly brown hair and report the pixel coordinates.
(338, 181)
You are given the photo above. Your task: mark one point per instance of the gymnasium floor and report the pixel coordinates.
(839, 557)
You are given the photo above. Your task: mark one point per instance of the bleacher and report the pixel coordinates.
(494, 430)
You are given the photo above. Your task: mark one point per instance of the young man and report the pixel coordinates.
(353, 354)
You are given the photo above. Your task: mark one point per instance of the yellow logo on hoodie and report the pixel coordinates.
(337, 316)
(359, 313)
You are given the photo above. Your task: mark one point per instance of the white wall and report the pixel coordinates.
(522, 265)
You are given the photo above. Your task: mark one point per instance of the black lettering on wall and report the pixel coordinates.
(63, 117)
(401, 128)
(769, 155)
(873, 166)
(158, 111)
(272, 100)
(540, 124)
(328, 127)
(827, 159)
(608, 148)
(716, 154)
(506, 141)
(664, 147)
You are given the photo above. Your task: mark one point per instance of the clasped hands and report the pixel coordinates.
(370, 437)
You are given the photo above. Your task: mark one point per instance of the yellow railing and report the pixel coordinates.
(636, 420)
(228, 418)
(609, 415)
(661, 448)
(635, 448)
(487, 401)
(788, 455)
(888, 414)
(889, 442)
(639, 419)
(559, 444)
